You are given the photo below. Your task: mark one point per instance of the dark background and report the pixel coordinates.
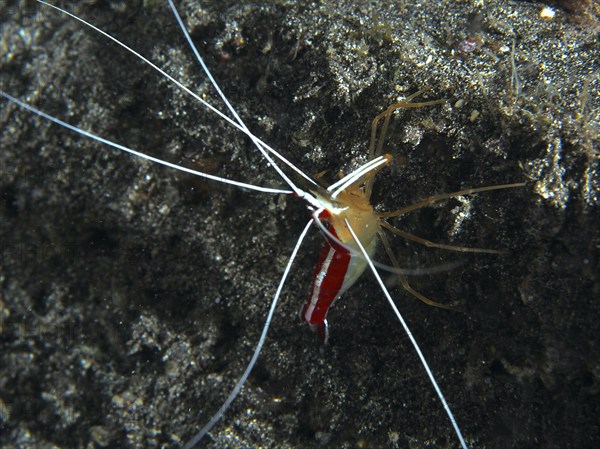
(132, 296)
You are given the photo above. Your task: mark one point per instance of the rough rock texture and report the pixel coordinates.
(132, 296)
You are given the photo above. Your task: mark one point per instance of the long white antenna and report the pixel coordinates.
(411, 338)
(137, 153)
(240, 383)
(259, 144)
(298, 192)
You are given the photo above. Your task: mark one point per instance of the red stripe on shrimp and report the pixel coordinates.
(328, 282)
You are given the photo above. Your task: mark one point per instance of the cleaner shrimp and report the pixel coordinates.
(143, 195)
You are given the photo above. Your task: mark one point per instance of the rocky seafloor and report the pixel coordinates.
(131, 296)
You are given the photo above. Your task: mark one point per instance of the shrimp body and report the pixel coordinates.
(341, 263)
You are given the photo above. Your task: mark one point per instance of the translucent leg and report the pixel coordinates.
(404, 281)
(445, 196)
(430, 244)
(386, 115)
